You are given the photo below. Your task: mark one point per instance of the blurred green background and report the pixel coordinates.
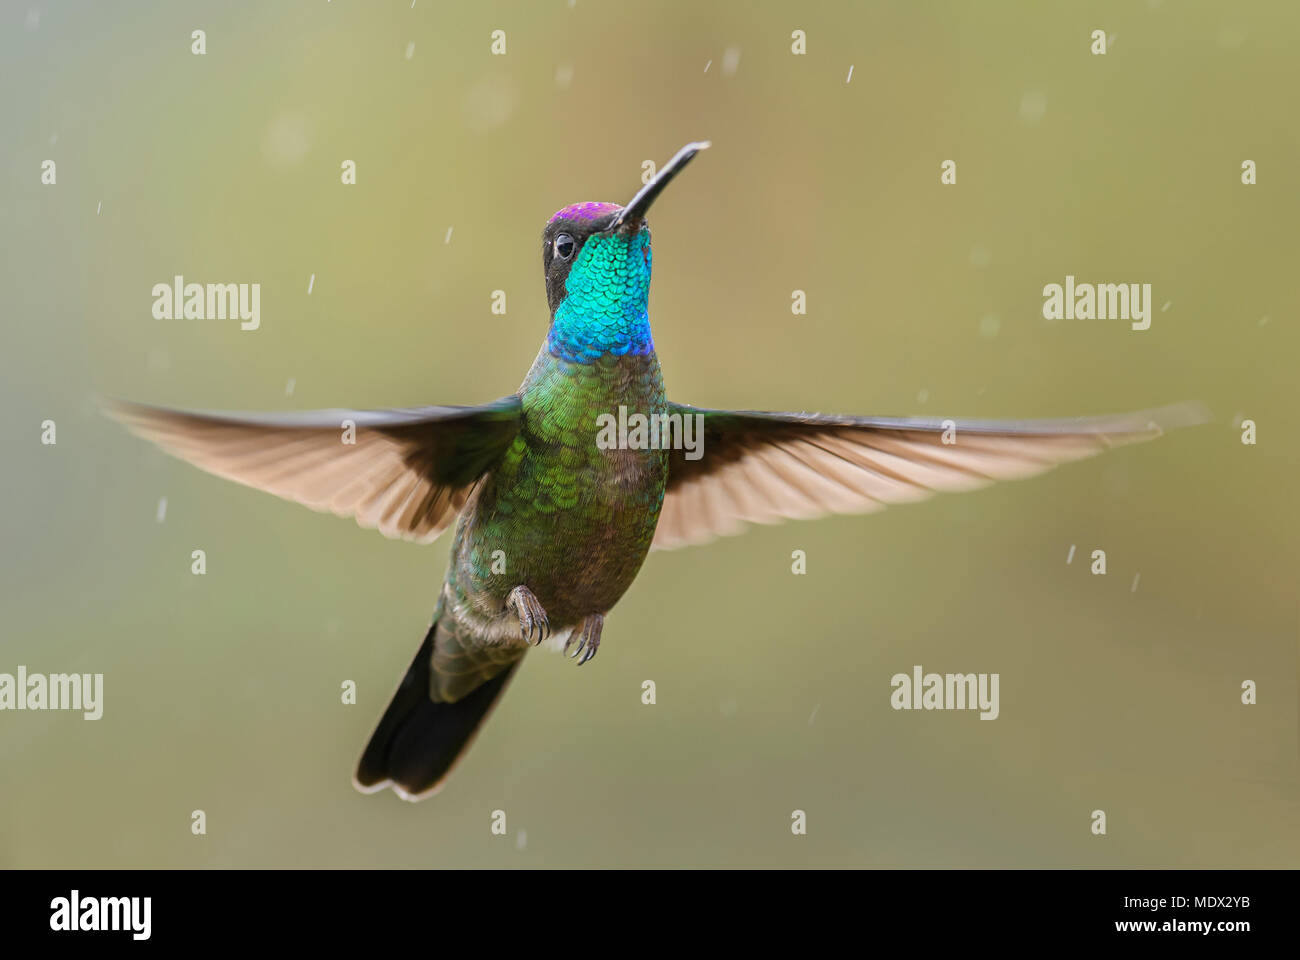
(222, 691)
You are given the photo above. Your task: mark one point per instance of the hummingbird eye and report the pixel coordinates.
(564, 246)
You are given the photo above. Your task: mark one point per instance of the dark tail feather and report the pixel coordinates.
(418, 740)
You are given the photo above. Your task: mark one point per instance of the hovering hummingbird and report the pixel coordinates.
(552, 526)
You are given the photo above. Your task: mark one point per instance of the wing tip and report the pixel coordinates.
(1190, 413)
(1155, 422)
(118, 409)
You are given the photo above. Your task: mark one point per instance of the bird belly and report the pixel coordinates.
(603, 541)
(576, 543)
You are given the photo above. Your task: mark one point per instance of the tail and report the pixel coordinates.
(418, 740)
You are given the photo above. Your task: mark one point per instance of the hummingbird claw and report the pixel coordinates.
(592, 626)
(532, 617)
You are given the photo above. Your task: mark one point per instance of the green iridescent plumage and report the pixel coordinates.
(571, 521)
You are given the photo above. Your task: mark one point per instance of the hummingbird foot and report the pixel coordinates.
(588, 636)
(532, 618)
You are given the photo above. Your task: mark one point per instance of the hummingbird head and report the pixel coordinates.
(596, 259)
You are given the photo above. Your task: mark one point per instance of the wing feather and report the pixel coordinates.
(405, 472)
(759, 467)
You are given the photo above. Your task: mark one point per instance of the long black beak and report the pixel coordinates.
(637, 208)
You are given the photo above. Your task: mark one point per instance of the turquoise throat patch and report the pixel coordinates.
(605, 307)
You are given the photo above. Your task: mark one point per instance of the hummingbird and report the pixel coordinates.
(551, 525)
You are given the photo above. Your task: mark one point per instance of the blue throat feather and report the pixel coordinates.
(605, 310)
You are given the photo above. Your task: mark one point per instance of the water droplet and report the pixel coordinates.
(1033, 105)
(287, 141)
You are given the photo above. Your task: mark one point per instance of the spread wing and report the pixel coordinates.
(405, 472)
(766, 467)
